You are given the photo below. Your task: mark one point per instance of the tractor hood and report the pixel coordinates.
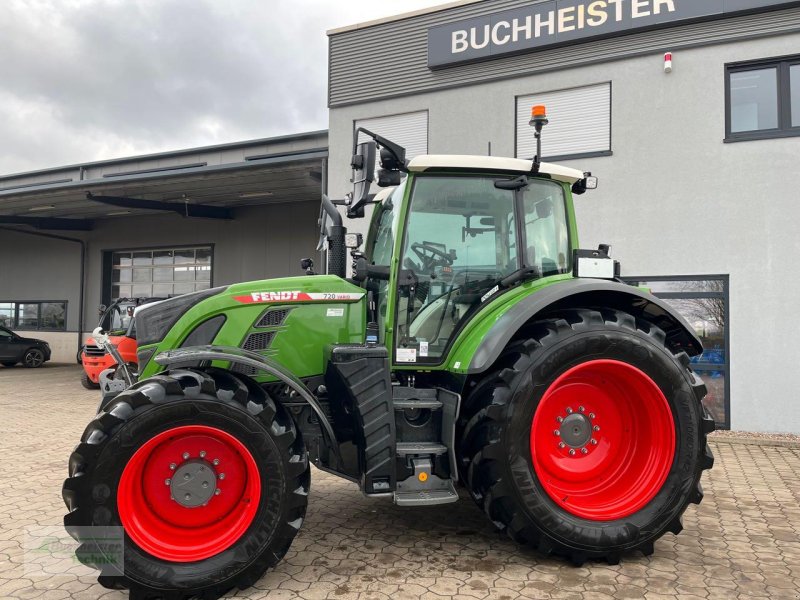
(291, 320)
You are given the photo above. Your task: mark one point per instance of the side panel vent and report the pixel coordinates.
(273, 317)
(257, 342)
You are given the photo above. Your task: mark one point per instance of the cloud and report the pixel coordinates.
(84, 80)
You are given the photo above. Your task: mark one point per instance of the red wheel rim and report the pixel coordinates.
(603, 440)
(175, 530)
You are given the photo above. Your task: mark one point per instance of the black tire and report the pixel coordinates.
(33, 358)
(9, 364)
(495, 455)
(88, 383)
(214, 398)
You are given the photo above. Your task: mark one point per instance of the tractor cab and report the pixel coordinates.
(465, 230)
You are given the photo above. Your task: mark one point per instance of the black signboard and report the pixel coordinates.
(554, 22)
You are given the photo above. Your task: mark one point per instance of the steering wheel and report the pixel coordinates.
(431, 256)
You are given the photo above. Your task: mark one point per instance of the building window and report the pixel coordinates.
(703, 302)
(580, 123)
(38, 315)
(160, 272)
(410, 130)
(763, 99)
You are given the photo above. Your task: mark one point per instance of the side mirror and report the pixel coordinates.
(102, 308)
(363, 164)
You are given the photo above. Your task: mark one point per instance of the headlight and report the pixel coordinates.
(153, 321)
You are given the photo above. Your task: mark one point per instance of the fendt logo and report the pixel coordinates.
(274, 296)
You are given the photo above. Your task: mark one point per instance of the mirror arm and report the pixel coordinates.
(398, 151)
(332, 211)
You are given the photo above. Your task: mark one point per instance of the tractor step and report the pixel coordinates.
(414, 448)
(424, 488)
(416, 403)
(426, 498)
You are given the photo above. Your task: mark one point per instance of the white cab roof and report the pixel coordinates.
(493, 163)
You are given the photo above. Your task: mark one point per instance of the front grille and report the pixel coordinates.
(258, 341)
(273, 317)
(92, 350)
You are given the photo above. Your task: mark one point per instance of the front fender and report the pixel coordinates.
(584, 293)
(192, 356)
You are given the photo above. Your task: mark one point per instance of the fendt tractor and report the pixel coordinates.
(474, 345)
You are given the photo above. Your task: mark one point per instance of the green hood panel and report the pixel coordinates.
(306, 314)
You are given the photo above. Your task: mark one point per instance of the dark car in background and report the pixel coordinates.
(15, 349)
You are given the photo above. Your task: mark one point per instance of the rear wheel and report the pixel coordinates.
(87, 382)
(589, 439)
(205, 473)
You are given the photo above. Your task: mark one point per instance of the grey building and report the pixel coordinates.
(696, 165)
(74, 237)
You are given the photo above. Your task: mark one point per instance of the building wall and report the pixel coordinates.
(260, 243)
(673, 199)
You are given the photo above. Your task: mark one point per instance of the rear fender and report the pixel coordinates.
(584, 293)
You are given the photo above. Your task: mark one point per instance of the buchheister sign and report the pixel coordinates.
(553, 22)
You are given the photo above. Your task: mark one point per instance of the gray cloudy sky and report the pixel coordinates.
(84, 80)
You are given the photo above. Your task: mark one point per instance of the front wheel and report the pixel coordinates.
(33, 359)
(204, 472)
(87, 382)
(589, 439)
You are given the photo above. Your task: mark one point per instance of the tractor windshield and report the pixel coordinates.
(461, 240)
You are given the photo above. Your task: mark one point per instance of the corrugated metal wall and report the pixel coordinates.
(390, 59)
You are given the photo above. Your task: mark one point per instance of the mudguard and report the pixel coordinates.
(585, 293)
(194, 355)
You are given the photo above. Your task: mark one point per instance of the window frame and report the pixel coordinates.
(575, 155)
(15, 326)
(108, 253)
(782, 65)
(726, 296)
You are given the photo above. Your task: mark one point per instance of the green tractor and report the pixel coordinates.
(475, 345)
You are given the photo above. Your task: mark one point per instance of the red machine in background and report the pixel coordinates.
(117, 321)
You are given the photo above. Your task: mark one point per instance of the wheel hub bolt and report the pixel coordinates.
(215, 461)
(591, 415)
(596, 427)
(572, 451)
(560, 419)
(167, 481)
(594, 442)
(202, 453)
(217, 492)
(584, 451)
(569, 410)
(556, 432)
(582, 409)
(173, 466)
(561, 445)
(185, 456)
(222, 475)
